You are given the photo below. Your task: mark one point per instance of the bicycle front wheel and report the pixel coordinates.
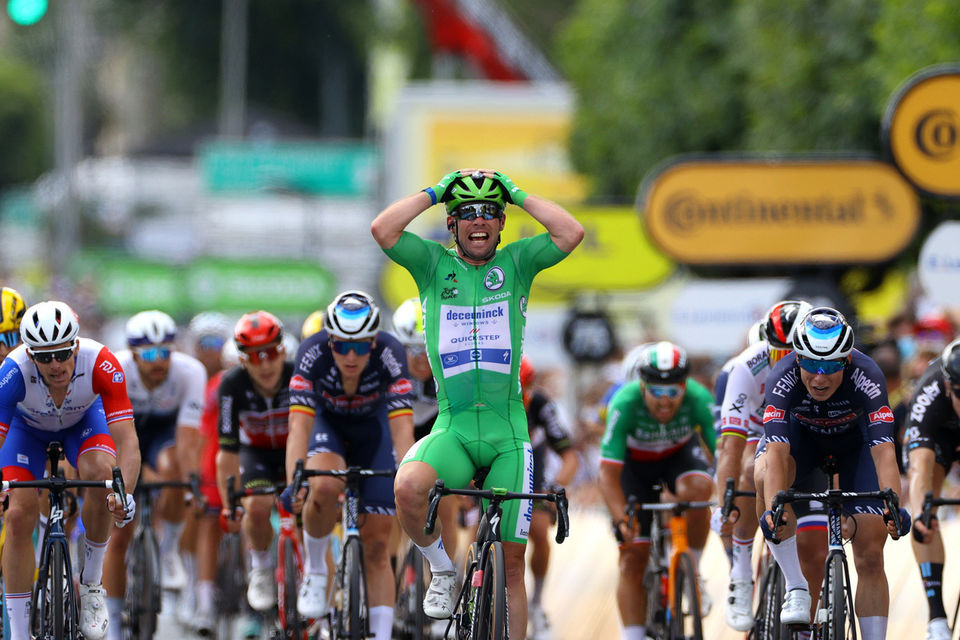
(467, 600)
(491, 609)
(143, 586)
(410, 623)
(685, 621)
(835, 599)
(767, 626)
(355, 610)
(290, 619)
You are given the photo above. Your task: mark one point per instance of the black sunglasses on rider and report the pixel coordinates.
(46, 357)
(485, 210)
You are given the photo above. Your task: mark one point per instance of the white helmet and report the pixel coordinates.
(210, 323)
(755, 334)
(408, 323)
(229, 354)
(630, 367)
(824, 334)
(49, 323)
(353, 315)
(150, 327)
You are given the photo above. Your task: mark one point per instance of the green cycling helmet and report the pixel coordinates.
(475, 188)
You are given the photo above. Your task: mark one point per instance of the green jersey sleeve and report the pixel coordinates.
(621, 418)
(533, 255)
(702, 402)
(417, 255)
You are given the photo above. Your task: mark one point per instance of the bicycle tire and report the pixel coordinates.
(491, 611)
(38, 599)
(354, 616)
(410, 623)
(466, 603)
(836, 600)
(771, 593)
(231, 575)
(291, 619)
(685, 620)
(144, 593)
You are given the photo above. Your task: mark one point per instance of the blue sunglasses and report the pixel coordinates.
(824, 367)
(211, 342)
(343, 347)
(664, 390)
(10, 338)
(152, 354)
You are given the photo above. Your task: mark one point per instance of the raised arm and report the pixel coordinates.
(387, 227)
(564, 229)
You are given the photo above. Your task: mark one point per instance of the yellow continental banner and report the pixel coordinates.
(922, 127)
(779, 211)
(615, 255)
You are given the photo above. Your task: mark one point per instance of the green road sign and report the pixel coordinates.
(334, 169)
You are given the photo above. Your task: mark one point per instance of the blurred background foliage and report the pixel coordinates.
(653, 78)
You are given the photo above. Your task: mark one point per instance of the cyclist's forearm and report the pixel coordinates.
(885, 461)
(228, 464)
(401, 429)
(128, 452)
(921, 475)
(569, 463)
(565, 231)
(188, 450)
(611, 490)
(389, 225)
(729, 458)
(775, 479)
(298, 439)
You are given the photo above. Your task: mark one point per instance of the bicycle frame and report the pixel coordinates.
(488, 542)
(55, 535)
(296, 629)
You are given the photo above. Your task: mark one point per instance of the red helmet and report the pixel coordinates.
(526, 373)
(256, 329)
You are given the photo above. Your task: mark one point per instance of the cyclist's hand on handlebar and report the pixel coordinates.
(924, 534)
(904, 523)
(230, 522)
(719, 525)
(774, 535)
(120, 515)
(293, 501)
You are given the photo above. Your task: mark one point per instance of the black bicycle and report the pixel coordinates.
(481, 608)
(770, 583)
(54, 610)
(409, 620)
(926, 517)
(835, 612)
(350, 610)
(144, 591)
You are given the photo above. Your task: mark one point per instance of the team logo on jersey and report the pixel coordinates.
(299, 383)
(772, 413)
(449, 292)
(883, 414)
(118, 376)
(452, 277)
(494, 279)
(401, 387)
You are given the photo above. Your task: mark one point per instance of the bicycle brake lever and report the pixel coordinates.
(118, 487)
(435, 494)
(563, 520)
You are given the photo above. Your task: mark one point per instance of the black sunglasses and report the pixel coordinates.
(485, 210)
(45, 357)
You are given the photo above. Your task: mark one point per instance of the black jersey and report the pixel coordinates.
(858, 406)
(930, 412)
(384, 385)
(248, 419)
(545, 424)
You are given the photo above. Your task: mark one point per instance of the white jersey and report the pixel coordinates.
(741, 412)
(177, 401)
(96, 375)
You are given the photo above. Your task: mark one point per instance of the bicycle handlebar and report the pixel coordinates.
(59, 484)
(929, 502)
(729, 495)
(496, 496)
(888, 496)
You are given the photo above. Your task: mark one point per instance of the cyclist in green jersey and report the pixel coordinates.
(657, 428)
(474, 300)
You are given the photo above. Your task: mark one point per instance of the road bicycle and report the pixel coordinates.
(144, 593)
(289, 624)
(835, 613)
(409, 620)
(349, 616)
(673, 593)
(769, 579)
(481, 610)
(926, 516)
(54, 610)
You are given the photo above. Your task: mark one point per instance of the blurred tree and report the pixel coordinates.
(669, 76)
(24, 123)
(652, 79)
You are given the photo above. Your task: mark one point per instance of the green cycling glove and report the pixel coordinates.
(439, 192)
(515, 194)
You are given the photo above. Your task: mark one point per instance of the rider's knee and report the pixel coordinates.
(410, 491)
